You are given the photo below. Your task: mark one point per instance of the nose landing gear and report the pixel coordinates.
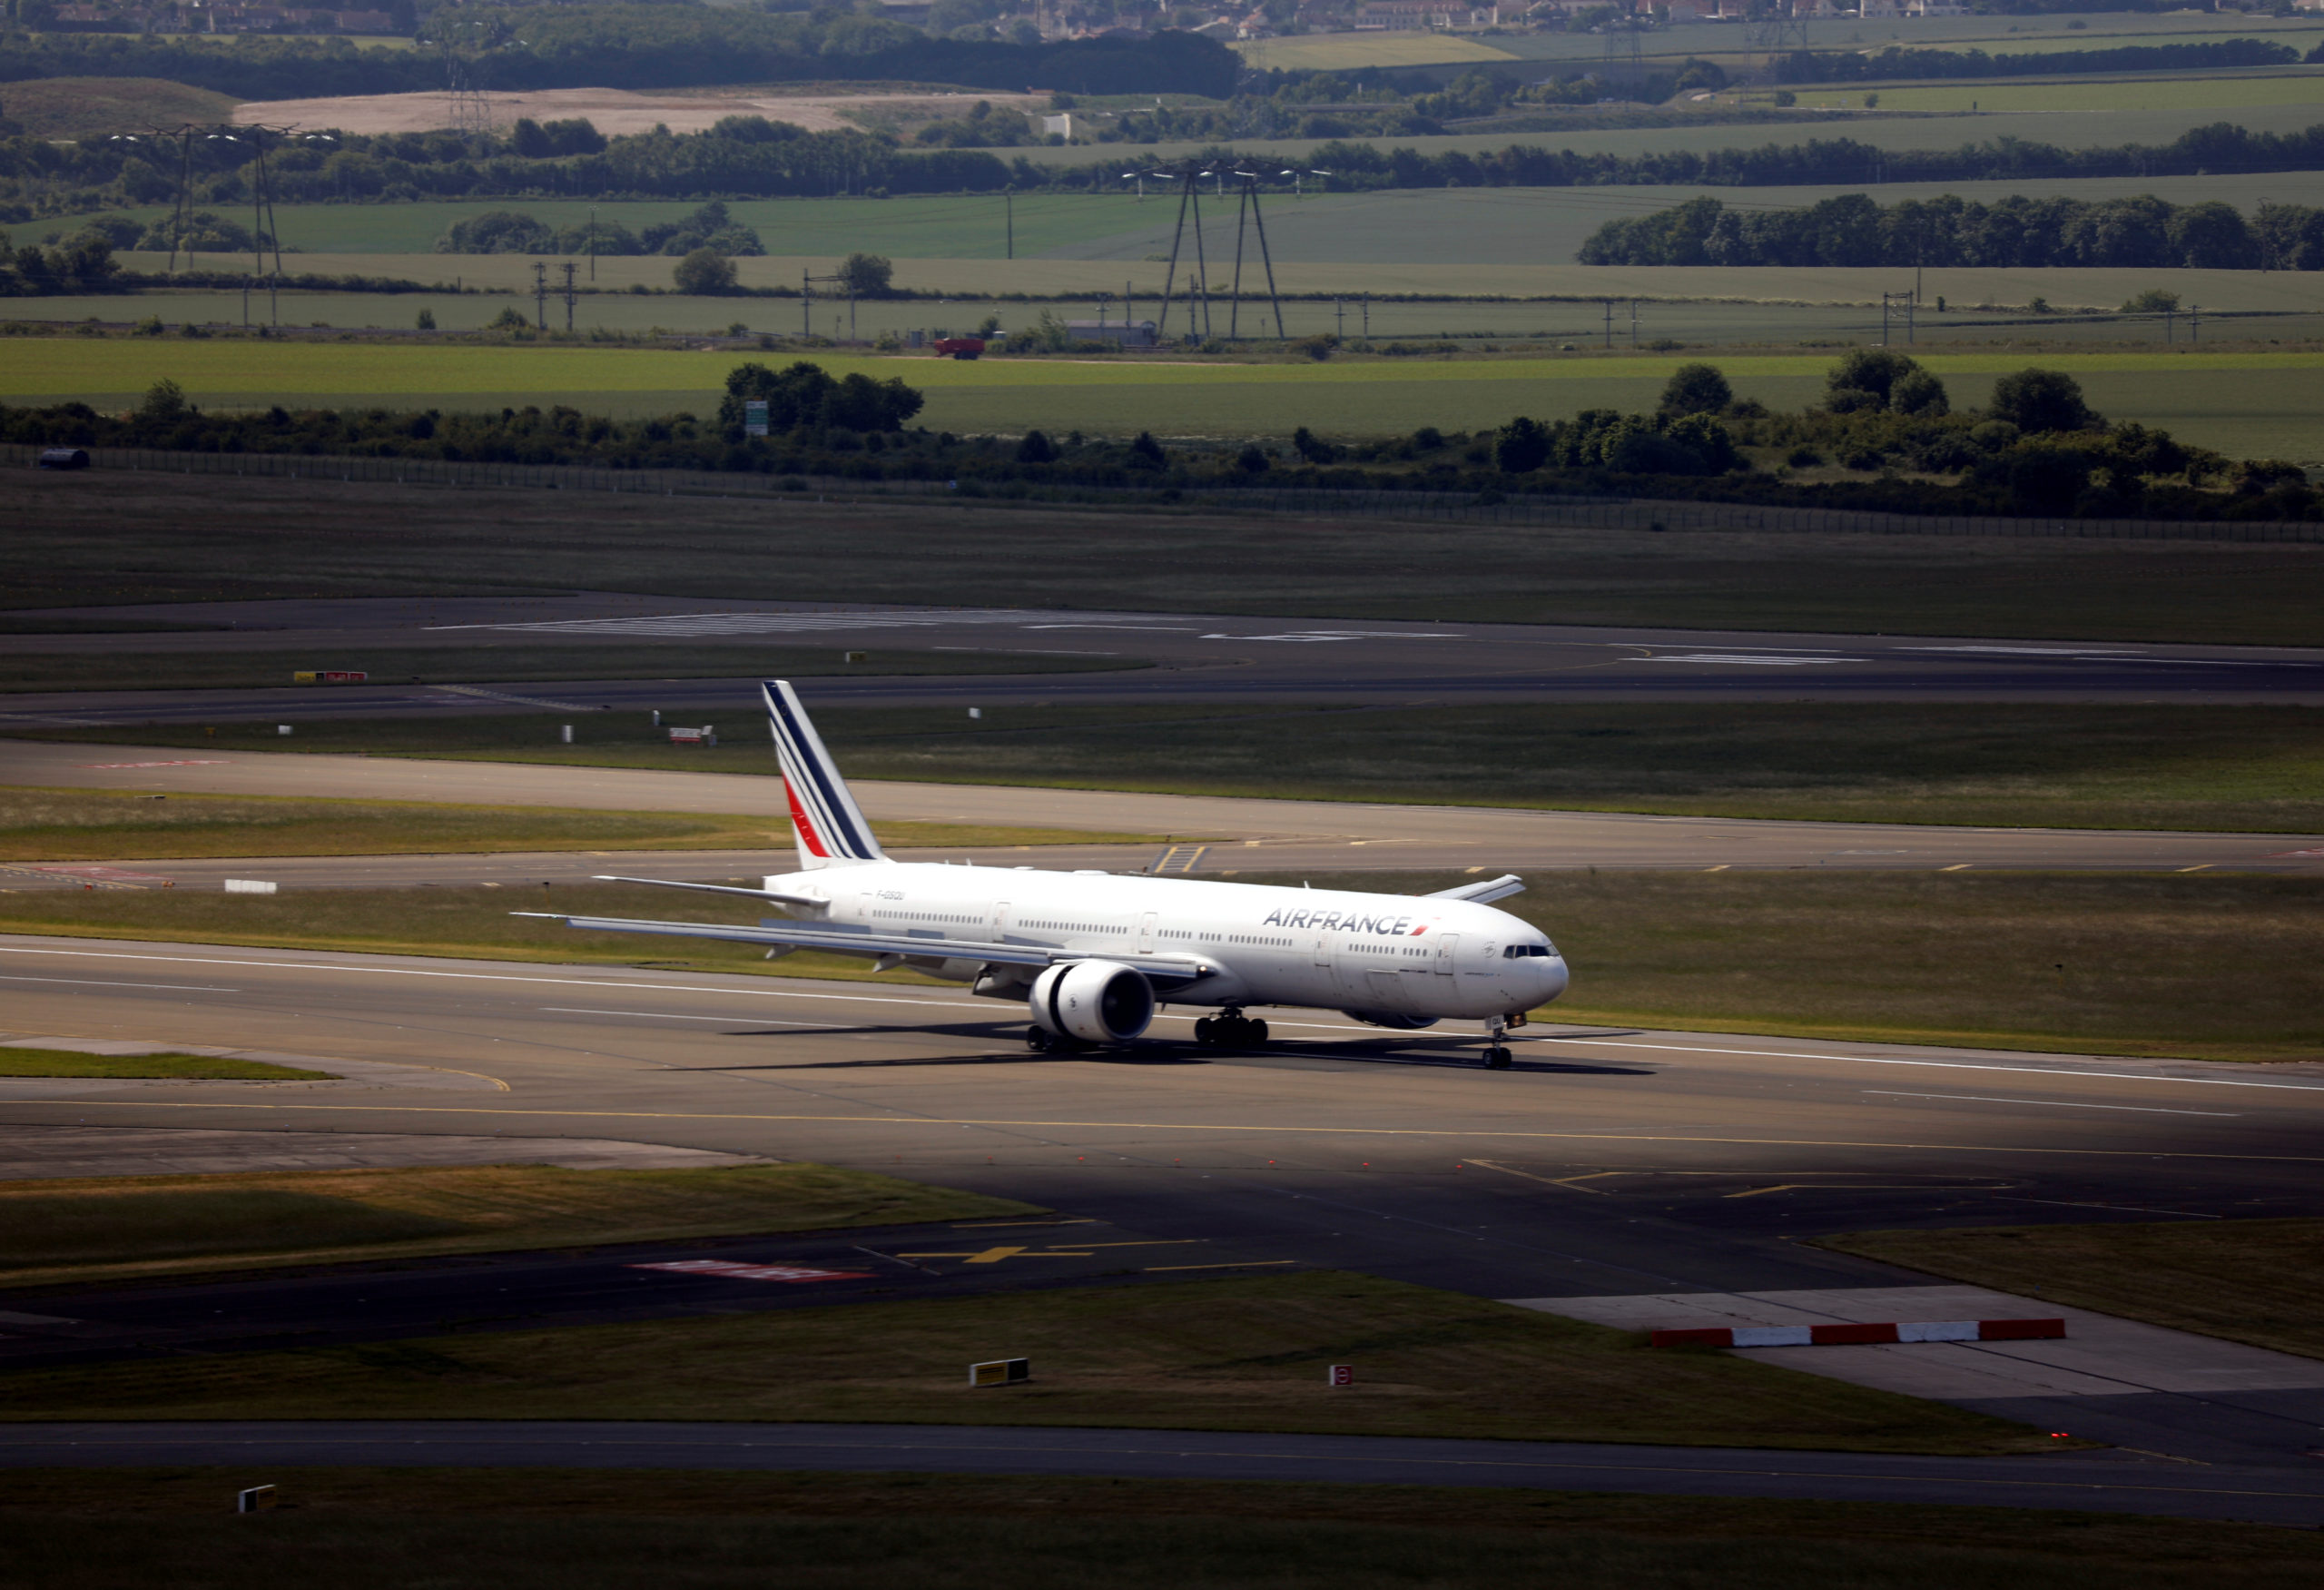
(1230, 1029)
(1497, 1055)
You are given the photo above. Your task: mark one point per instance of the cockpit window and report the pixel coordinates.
(1527, 952)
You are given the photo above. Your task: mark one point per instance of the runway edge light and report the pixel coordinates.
(1001, 1372)
(1340, 1374)
(258, 1498)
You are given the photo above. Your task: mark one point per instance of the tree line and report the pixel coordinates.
(743, 157)
(636, 47)
(1885, 435)
(1896, 62)
(2018, 233)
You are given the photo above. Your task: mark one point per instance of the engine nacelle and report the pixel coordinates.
(1394, 1020)
(1098, 1002)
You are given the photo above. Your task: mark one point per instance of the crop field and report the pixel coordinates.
(93, 107)
(2248, 403)
(1347, 52)
(1994, 34)
(2082, 129)
(2069, 95)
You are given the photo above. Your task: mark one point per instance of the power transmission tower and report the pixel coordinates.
(1766, 36)
(570, 292)
(1248, 203)
(1189, 202)
(541, 295)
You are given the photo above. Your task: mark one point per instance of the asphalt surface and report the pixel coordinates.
(1195, 657)
(1606, 1162)
(2105, 1483)
(1225, 835)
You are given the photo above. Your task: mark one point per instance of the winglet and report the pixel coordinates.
(825, 819)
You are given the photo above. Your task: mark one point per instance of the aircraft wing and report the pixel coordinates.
(776, 896)
(1483, 892)
(848, 941)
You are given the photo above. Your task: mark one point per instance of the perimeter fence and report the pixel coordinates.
(1526, 509)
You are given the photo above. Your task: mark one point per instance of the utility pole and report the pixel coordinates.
(1339, 317)
(540, 294)
(570, 268)
(1610, 323)
(2194, 322)
(1367, 315)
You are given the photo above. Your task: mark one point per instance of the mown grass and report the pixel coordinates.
(17, 1061)
(2193, 92)
(2254, 1281)
(576, 1529)
(2209, 966)
(89, 1231)
(104, 539)
(193, 669)
(99, 107)
(2237, 768)
(86, 825)
(1240, 1354)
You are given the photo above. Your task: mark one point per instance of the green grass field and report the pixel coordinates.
(105, 538)
(501, 663)
(584, 1529)
(2220, 91)
(98, 107)
(2206, 965)
(79, 824)
(2247, 1280)
(92, 1231)
(1238, 1354)
(2245, 401)
(17, 1061)
(2235, 768)
(1348, 52)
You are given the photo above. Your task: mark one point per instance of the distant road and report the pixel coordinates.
(1233, 834)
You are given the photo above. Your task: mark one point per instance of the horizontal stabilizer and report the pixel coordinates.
(1485, 892)
(776, 896)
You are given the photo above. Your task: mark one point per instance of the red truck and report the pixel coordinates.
(958, 346)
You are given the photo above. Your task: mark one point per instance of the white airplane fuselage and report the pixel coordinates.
(1395, 954)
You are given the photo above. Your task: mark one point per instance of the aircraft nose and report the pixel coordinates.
(1552, 972)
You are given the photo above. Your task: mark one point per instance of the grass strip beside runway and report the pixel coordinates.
(2215, 966)
(68, 1062)
(577, 1530)
(98, 825)
(2051, 764)
(106, 538)
(2255, 1281)
(1245, 1354)
(94, 1229)
(392, 664)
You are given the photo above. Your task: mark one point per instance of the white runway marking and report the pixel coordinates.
(661, 1016)
(2055, 1103)
(109, 982)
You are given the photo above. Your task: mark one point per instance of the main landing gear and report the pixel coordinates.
(1497, 1055)
(1230, 1029)
(1042, 1041)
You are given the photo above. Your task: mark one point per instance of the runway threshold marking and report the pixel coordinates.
(1387, 1131)
(933, 1004)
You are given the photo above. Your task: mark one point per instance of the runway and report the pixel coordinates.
(1193, 657)
(2102, 1482)
(1227, 834)
(1607, 1162)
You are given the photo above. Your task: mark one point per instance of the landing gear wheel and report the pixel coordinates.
(1038, 1039)
(1255, 1033)
(1206, 1029)
(1230, 1030)
(1498, 1058)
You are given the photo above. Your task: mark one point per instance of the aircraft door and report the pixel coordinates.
(1322, 949)
(1000, 919)
(1447, 948)
(1145, 933)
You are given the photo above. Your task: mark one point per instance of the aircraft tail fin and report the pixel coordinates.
(830, 829)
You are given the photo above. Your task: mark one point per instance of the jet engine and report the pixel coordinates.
(1098, 1002)
(1394, 1020)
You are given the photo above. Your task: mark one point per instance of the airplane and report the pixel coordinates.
(1095, 955)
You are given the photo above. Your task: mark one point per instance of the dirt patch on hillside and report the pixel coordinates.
(614, 110)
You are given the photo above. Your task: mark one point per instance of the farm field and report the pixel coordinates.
(2245, 403)
(1994, 34)
(94, 107)
(1496, 226)
(2082, 129)
(2220, 91)
(1346, 52)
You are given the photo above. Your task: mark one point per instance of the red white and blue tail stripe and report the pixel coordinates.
(824, 820)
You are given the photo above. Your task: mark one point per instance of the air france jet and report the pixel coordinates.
(1095, 954)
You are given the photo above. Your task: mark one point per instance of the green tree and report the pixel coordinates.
(1919, 392)
(1872, 371)
(1521, 446)
(1036, 449)
(1696, 389)
(705, 272)
(2043, 400)
(866, 275)
(164, 400)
